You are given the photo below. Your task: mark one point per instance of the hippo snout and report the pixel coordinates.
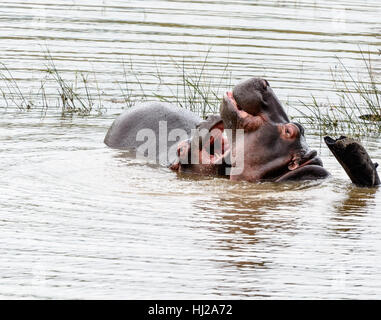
(311, 158)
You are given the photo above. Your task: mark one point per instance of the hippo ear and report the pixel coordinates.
(210, 122)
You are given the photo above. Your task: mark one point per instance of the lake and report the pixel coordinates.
(82, 221)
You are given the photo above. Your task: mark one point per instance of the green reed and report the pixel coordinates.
(358, 110)
(71, 97)
(199, 89)
(12, 94)
(74, 97)
(193, 89)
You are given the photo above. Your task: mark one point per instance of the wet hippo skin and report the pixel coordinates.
(273, 148)
(123, 132)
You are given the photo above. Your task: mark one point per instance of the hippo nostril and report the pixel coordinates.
(309, 155)
(313, 154)
(230, 95)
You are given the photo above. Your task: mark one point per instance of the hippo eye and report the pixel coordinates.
(301, 129)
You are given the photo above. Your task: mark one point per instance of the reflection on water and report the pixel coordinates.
(350, 212)
(79, 220)
(358, 200)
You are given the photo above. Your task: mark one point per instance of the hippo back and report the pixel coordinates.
(123, 132)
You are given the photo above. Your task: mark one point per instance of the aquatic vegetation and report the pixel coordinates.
(194, 89)
(70, 100)
(358, 111)
(71, 97)
(13, 95)
(198, 92)
(198, 88)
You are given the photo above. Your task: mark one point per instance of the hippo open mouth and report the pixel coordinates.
(205, 151)
(218, 144)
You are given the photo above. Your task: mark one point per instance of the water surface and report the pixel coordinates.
(79, 220)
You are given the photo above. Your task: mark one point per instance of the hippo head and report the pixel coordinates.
(204, 153)
(273, 149)
(255, 96)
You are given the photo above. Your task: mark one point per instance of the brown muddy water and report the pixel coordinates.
(79, 220)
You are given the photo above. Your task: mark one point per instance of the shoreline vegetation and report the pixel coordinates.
(82, 96)
(357, 113)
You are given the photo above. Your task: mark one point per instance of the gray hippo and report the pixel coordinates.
(261, 138)
(273, 148)
(159, 127)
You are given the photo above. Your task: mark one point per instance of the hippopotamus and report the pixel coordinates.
(273, 148)
(262, 139)
(162, 134)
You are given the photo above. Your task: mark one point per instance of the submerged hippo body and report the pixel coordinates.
(151, 124)
(123, 133)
